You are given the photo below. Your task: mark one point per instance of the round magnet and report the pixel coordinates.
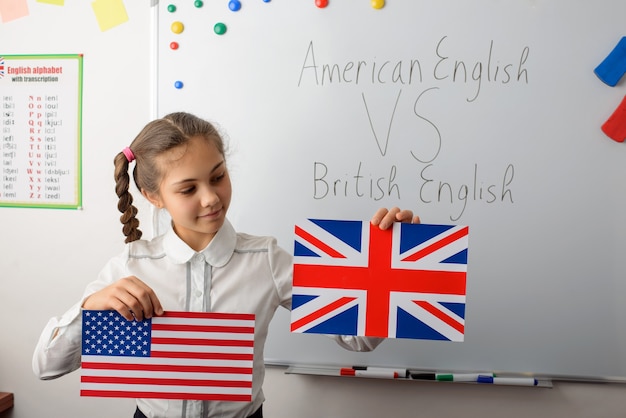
(378, 4)
(219, 28)
(234, 5)
(178, 27)
(321, 3)
(171, 8)
(198, 3)
(174, 45)
(178, 84)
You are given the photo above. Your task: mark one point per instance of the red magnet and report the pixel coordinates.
(321, 3)
(615, 126)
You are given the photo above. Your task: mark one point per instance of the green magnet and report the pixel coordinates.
(219, 28)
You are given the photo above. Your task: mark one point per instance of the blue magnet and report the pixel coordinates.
(234, 5)
(178, 84)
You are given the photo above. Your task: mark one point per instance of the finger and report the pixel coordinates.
(378, 216)
(389, 218)
(147, 299)
(416, 220)
(139, 298)
(404, 216)
(129, 306)
(111, 297)
(157, 309)
(123, 309)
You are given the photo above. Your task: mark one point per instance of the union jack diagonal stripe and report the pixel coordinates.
(352, 278)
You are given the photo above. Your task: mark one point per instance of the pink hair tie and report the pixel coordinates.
(129, 154)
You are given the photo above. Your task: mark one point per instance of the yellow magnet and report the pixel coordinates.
(178, 27)
(378, 4)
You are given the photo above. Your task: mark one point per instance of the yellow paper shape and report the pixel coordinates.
(55, 2)
(109, 13)
(13, 9)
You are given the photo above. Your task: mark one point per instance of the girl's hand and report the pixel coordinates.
(384, 217)
(130, 297)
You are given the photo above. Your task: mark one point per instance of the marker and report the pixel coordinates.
(401, 372)
(381, 374)
(423, 376)
(460, 377)
(512, 381)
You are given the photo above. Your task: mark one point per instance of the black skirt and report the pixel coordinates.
(257, 414)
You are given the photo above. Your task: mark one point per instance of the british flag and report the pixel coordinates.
(1, 67)
(352, 278)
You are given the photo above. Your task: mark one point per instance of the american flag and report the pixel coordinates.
(352, 278)
(179, 355)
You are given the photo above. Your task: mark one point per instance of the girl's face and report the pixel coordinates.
(195, 190)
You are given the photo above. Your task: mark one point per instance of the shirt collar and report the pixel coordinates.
(217, 253)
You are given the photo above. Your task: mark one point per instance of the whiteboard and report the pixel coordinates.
(485, 113)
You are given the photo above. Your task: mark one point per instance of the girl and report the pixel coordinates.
(199, 264)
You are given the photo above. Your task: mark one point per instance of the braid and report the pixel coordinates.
(125, 203)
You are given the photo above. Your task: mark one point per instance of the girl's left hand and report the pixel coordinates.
(385, 218)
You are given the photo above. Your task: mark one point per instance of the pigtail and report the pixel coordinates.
(125, 203)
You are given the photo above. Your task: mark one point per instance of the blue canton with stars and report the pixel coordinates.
(107, 333)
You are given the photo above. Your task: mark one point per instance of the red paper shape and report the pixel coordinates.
(615, 125)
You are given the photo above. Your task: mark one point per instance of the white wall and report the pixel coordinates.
(47, 256)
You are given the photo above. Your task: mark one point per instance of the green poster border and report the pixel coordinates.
(79, 160)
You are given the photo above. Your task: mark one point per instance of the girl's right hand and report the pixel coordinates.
(130, 297)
